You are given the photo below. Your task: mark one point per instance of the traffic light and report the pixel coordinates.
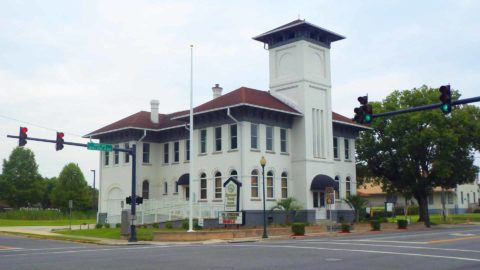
(367, 113)
(22, 140)
(129, 200)
(446, 99)
(59, 142)
(358, 115)
(364, 113)
(139, 200)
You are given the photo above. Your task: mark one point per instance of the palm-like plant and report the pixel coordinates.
(357, 203)
(289, 205)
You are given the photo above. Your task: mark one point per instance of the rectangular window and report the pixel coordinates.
(348, 190)
(449, 197)
(165, 187)
(218, 186)
(187, 150)
(430, 199)
(176, 151)
(106, 158)
(176, 186)
(461, 197)
(284, 187)
(254, 136)
(254, 185)
(269, 138)
(347, 149)
(335, 147)
(146, 153)
(315, 199)
(270, 186)
(126, 155)
(283, 140)
(218, 139)
(203, 141)
(203, 189)
(166, 152)
(233, 137)
(116, 156)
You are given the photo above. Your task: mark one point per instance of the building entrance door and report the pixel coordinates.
(319, 204)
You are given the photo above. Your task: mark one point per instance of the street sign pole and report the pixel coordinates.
(133, 234)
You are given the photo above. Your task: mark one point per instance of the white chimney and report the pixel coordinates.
(154, 112)
(217, 91)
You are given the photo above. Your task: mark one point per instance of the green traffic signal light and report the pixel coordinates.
(446, 108)
(367, 118)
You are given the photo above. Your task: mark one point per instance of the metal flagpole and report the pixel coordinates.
(190, 174)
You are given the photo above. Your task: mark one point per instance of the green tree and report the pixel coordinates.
(49, 184)
(357, 203)
(289, 205)
(414, 152)
(21, 184)
(71, 186)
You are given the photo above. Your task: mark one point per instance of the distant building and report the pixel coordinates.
(462, 199)
(308, 147)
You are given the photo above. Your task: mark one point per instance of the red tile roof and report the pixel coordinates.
(242, 96)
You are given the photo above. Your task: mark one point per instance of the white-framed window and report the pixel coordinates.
(468, 198)
(337, 192)
(203, 141)
(176, 187)
(187, 150)
(166, 152)
(176, 151)
(234, 173)
(284, 181)
(348, 186)
(116, 155)
(126, 156)
(146, 153)
(218, 185)
(106, 159)
(270, 185)
(203, 186)
(218, 139)
(254, 184)
(335, 147)
(165, 187)
(269, 138)
(233, 137)
(347, 149)
(253, 136)
(450, 197)
(461, 197)
(283, 140)
(145, 189)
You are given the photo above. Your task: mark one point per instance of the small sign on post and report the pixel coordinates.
(70, 206)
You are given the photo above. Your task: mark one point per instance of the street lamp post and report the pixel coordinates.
(263, 162)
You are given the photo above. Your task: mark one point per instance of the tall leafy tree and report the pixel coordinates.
(21, 184)
(49, 184)
(413, 153)
(71, 185)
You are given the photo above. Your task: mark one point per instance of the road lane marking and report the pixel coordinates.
(392, 246)
(7, 248)
(44, 249)
(462, 234)
(364, 251)
(402, 235)
(453, 239)
(384, 241)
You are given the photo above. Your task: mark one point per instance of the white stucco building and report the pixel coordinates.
(307, 146)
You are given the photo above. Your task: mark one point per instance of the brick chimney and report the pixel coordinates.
(154, 111)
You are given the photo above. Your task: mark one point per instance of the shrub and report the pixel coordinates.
(185, 224)
(402, 224)
(107, 225)
(195, 225)
(118, 225)
(376, 224)
(476, 211)
(98, 226)
(298, 228)
(156, 225)
(346, 227)
(168, 225)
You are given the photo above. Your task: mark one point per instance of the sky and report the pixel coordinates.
(76, 66)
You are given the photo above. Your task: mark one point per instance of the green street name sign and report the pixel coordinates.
(100, 147)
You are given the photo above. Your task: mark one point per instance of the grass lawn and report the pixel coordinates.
(451, 219)
(58, 222)
(111, 233)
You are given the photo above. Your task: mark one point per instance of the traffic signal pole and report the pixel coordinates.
(426, 107)
(131, 151)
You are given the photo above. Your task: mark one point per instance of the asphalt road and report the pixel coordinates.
(457, 248)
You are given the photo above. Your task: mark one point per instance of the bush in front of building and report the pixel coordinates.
(118, 225)
(168, 225)
(298, 228)
(346, 227)
(402, 223)
(107, 225)
(376, 225)
(98, 226)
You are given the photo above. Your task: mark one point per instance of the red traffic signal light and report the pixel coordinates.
(59, 141)
(22, 136)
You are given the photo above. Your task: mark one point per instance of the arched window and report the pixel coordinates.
(270, 184)
(254, 184)
(145, 189)
(218, 185)
(284, 185)
(337, 192)
(234, 173)
(348, 183)
(203, 186)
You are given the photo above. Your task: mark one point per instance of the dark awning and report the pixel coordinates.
(321, 181)
(184, 180)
